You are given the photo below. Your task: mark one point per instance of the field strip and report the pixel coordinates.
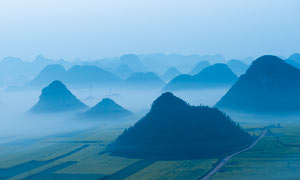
(129, 170)
(29, 169)
(226, 159)
(50, 170)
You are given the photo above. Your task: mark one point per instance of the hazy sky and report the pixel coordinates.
(101, 28)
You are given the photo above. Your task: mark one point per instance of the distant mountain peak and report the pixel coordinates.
(123, 71)
(144, 80)
(171, 73)
(57, 98)
(270, 85)
(199, 67)
(217, 75)
(106, 108)
(134, 62)
(295, 57)
(169, 101)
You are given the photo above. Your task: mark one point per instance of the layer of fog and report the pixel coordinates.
(16, 124)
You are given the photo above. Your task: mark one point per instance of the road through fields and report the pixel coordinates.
(226, 159)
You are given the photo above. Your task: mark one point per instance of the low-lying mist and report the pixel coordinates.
(16, 123)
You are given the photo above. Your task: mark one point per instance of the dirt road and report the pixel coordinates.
(226, 159)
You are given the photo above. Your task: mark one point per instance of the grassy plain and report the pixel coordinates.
(276, 156)
(81, 156)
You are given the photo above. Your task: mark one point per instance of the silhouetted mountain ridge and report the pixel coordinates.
(144, 80)
(199, 67)
(106, 108)
(175, 130)
(215, 76)
(171, 73)
(57, 98)
(270, 85)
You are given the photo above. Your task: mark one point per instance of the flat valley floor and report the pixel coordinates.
(81, 155)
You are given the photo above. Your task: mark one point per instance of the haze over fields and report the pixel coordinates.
(149, 90)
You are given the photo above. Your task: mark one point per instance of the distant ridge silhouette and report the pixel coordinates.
(171, 73)
(215, 76)
(47, 75)
(144, 80)
(295, 57)
(123, 71)
(237, 66)
(174, 130)
(199, 67)
(270, 85)
(57, 98)
(76, 76)
(106, 108)
(134, 62)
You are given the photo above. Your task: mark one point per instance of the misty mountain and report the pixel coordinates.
(293, 63)
(134, 62)
(106, 108)
(237, 66)
(13, 66)
(77, 76)
(175, 130)
(295, 57)
(171, 73)
(47, 75)
(80, 76)
(57, 98)
(270, 85)
(144, 80)
(199, 67)
(154, 66)
(41, 61)
(215, 76)
(123, 71)
(182, 62)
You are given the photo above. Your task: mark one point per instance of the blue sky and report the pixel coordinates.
(104, 28)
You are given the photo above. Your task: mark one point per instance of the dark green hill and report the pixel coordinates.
(270, 85)
(57, 98)
(175, 130)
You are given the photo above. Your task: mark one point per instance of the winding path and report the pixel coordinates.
(226, 159)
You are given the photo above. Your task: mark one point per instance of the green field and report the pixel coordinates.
(276, 156)
(80, 156)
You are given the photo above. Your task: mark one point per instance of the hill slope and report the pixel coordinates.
(217, 75)
(47, 75)
(237, 66)
(57, 98)
(123, 71)
(270, 85)
(144, 80)
(107, 108)
(199, 67)
(171, 73)
(175, 130)
(78, 76)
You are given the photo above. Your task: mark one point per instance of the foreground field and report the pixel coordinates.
(81, 155)
(276, 156)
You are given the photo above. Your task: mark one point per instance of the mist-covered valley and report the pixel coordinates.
(149, 90)
(17, 123)
(76, 119)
